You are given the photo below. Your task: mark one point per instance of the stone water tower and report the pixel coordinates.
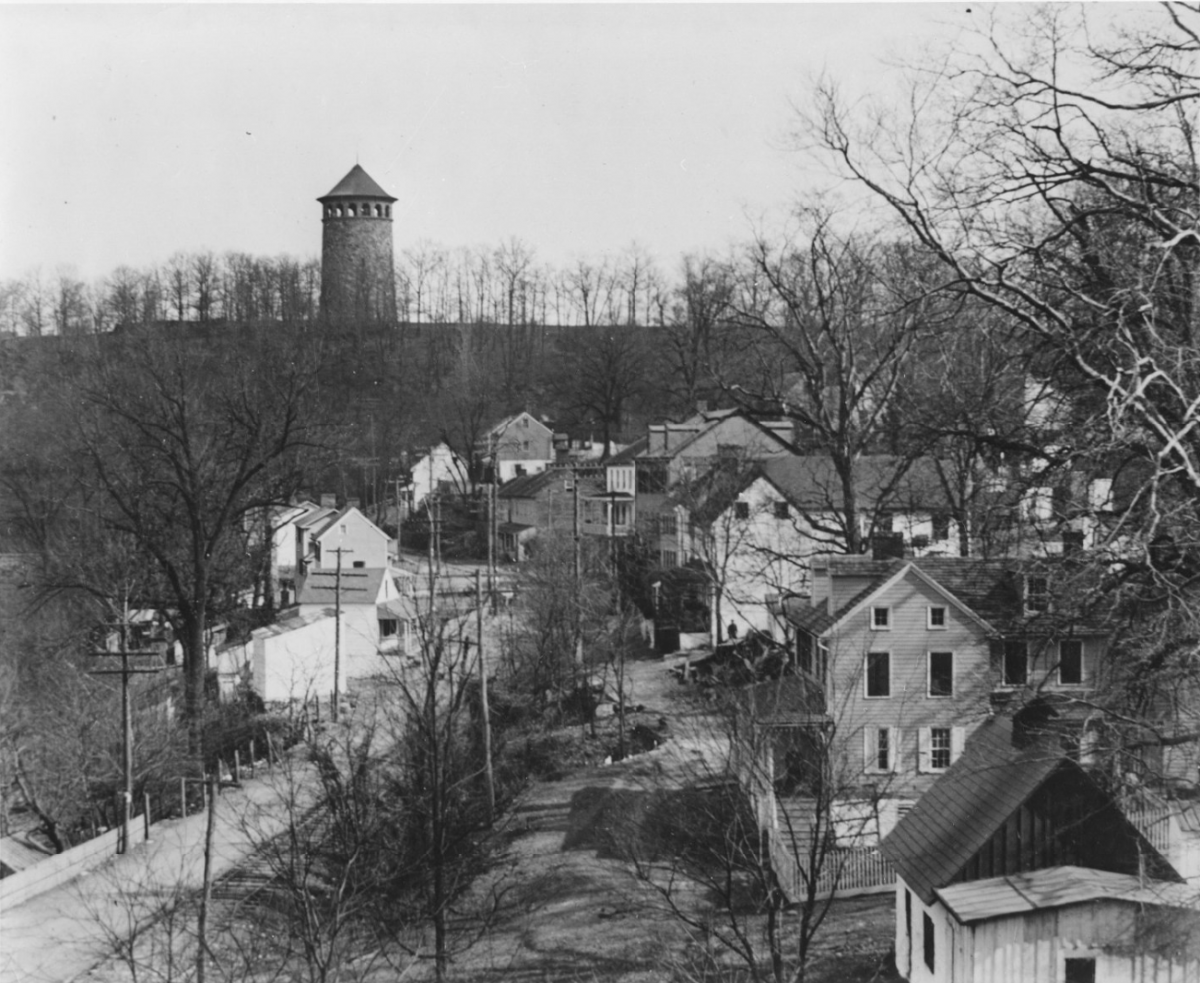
(358, 283)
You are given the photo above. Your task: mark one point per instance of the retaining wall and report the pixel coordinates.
(50, 873)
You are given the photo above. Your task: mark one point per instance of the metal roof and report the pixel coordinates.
(358, 586)
(357, 184)
(1055, 887)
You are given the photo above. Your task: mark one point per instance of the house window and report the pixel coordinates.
(620, 513)
(939, 748)
(1070, 662)
(669, 559)
(359, 564)
(937, 618)
(388, 627)
(941, 526)
(881, 619)
(741, 510)
(884, 522)
(1016, 664)
(1037, 594)
(1078, 969)
(879, 749)
(668, 525)
(879, 674)
(941, 673)
(928, 925)
(781, 510)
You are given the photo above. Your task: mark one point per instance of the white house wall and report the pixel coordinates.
(360, 540)
(438, 467)
(296, 664)
(909, 709)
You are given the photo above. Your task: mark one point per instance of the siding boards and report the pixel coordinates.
(909, 640)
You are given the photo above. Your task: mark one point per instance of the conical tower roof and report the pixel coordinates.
(357, 184)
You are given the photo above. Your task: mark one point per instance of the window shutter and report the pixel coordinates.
(869, 748)
(895, 734)
(924, 745)
(957, 739)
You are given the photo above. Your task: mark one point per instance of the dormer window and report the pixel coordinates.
(937, 618)
(781, 510)
(1037, 594)
(881, 619)
(741, 510)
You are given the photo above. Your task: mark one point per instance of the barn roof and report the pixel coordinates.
(959, 814)
(1055, 887)
(357, 184)
(974, 798)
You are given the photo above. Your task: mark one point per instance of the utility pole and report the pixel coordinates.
(125, 672)
(578, 568)
(337, 634)
(483, 701)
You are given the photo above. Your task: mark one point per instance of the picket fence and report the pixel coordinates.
(846, 872)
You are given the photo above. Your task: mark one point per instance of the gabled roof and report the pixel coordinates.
(337, 517)
(813, 618)
(357, 184)
(500, 428)
(627, 454)
(712, 424)
(904, 569)
(811, 482)
(1055, 887)
(315, 516)
(531, 485)
(358, 586)
(991, 589)
(974, 798)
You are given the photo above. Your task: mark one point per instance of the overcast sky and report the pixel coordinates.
(132, 132)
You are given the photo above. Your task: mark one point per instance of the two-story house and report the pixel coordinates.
(754, 527)
(518, 445)
(914, 654)
(326, 535)
(603, 492)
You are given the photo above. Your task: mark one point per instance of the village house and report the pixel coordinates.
(545, 503)
(754, 527)
(676, 452)
(913, 655)
(368, 620)
(518, 445)
(1017, 867)
(346, 536)
(439, 470)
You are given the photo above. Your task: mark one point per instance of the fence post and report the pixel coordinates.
(253, 760)
(237, 766)
(146, 813)
(270, 752)
(183, 797)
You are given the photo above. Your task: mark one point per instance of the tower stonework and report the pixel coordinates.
(358, 281)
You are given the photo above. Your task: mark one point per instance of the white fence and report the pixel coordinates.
(844, 872)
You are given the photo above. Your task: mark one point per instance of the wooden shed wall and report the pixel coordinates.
(1032, 948)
